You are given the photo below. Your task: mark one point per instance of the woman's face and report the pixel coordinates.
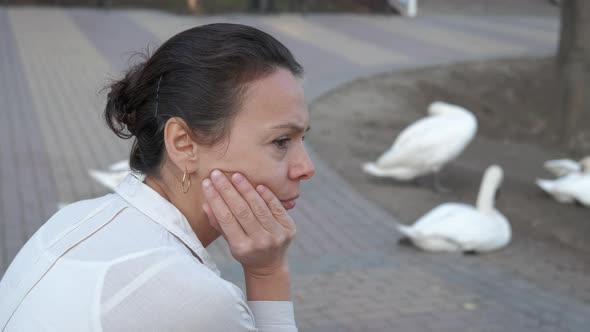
(265, 142)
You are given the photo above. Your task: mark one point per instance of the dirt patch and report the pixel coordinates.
(515, 104)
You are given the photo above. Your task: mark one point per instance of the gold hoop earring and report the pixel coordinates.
(186, 184)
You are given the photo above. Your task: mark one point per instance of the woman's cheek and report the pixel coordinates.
(265, 175)
(261, 167)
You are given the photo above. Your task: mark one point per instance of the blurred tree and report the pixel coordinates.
(193, 5)
(262, 5)
(573, 74)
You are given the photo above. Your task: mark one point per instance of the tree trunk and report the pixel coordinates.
(264, 6)
(193, 6)
(573, 75)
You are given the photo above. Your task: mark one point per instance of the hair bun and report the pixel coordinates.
(120, 112)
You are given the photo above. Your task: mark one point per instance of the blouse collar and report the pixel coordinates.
(157, 208)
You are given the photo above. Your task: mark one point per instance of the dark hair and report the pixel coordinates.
(198, 75)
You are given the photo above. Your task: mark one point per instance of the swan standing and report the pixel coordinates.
(427, 145)
(572, 186)
(462, 227)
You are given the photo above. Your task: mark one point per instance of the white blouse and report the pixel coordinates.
(127, 261)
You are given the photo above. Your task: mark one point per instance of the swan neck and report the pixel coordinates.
(487, 193)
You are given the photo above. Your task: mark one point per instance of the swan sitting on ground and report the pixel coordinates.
(572, 186)
(111, 178)
(427, 145)
(462, 227)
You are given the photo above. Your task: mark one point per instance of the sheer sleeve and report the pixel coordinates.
(177, 294)
(276, 316)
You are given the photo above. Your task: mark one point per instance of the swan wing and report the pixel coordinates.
(399, 173)
(560, 167)
(429, 143)
(444, 219)
(494, 234)
(463, 225)
(551, 187)
(432, 218)
(576, 186)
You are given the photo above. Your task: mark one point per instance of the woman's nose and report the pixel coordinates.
(302, 168)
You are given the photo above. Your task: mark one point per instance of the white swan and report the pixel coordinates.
(572, 186)
(462, 227)
(427, 144)
(561, 167)
(111, 178)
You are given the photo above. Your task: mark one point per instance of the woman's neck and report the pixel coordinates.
(189, 204)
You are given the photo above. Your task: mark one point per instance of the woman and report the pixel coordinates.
(218, 118)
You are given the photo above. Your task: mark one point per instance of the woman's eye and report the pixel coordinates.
(281, 142)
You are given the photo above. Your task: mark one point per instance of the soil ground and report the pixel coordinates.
(515, 106)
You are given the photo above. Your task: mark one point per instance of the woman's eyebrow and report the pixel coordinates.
(292, 126)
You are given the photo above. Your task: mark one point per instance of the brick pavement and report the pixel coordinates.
(349, 274)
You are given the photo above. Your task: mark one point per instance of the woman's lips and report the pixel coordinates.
(288, 204)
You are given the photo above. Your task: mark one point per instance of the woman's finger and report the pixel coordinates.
(222, 214)
(276, 208)
(257, 204)
(237, 205)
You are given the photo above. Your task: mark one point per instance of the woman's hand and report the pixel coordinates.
(253, 222)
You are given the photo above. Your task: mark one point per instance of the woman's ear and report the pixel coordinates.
(181, 148)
